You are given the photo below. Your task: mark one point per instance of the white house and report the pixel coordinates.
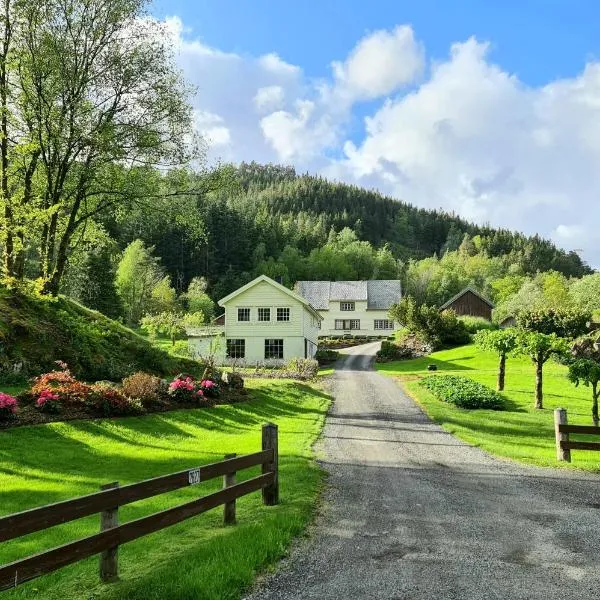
(353, 307)
(265, 323)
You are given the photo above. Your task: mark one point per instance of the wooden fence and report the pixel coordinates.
(112, 496)
(562, 429)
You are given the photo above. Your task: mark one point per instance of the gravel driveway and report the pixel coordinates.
(412, 512)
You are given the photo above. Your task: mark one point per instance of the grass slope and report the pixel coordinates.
(37, 332)
(199, 558)
(520, 432)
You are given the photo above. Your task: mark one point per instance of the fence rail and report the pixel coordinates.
(562, 430)
(112, 496)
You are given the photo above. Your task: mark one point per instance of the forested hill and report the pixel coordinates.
(238, 222)
(319, 205)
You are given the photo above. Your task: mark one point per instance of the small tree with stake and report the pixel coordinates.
(503, 342)
(585, 368)
(540, 347)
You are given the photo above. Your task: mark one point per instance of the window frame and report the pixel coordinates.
(277, 314)
(272, 344)
(229, 345)
(388, 324)
(350, 322)
(244, 308)
(268, 311)
(347, 306)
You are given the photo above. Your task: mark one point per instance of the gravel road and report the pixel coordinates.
(412, 512)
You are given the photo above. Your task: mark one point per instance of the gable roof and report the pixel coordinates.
(379, 294)
(281, 288)
(462, 293)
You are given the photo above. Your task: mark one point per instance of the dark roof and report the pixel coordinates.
(462, 293)
(379, 294)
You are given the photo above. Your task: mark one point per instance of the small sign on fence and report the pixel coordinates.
(194, 476)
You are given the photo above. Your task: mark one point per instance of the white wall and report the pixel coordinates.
(367, 320)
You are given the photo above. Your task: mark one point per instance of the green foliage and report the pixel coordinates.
(197, 300)
(501, 341)
(585, 293)
(326, 356)
(138, 274)
(164, 297)
(463, 392)
(438, 329)
(393, 351)
(169, 324)
(584, 370)
(567, 323)
(475, 324)
(541, 346)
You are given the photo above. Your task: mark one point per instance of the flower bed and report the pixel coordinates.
(463, 392)
(59, 396)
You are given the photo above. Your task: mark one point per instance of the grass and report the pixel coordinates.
(199, 558)
(520, 432)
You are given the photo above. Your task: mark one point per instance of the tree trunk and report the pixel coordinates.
(595, 394)
(539, 383)
(501, 372)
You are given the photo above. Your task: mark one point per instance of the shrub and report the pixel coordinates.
(184, 389)
(325, 356)
(302, 368)
(565, 323)
(110, 402)
(8, 407)
(475, 324)
(393, 351)
(210, 388)
(59, 387)
(437, 329)
(146, 388)
(463, 392)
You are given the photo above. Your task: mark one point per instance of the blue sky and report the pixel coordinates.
(485, 108)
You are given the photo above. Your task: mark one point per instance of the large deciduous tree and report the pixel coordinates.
(89, 100)
(585, 368)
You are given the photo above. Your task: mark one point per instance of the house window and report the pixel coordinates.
(244, 314)
(347, 324)
(384, 324)
(236, 348)
(347, 306)
(273, 349)
(264, 314)
(283, 314)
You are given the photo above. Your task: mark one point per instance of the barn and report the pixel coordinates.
(470, 303)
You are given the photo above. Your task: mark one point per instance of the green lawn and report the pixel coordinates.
(199, 558)
(520, 432)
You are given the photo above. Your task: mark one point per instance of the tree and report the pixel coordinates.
(564, 322)
(164, 297)
(585, 368)
(138, 274)
(89, 100)
(585, 292)
(540, 347)
(197, 300)
(503, 342)
(167, 323)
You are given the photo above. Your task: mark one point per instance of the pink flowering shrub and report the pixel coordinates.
(210, 388)
(185, 389)
(48, 401)
(8, 407)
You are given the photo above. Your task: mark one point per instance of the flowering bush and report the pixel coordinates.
(185, 389)
(60, 383)
(144, 387)
(48, 401)
(8, 407)
(210, 388)
(110, 402)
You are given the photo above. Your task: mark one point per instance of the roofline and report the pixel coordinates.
(282, 288)
(462, 293)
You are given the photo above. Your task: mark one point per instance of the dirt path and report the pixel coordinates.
(411, 512)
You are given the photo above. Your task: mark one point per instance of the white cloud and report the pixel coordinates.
(380, 63)
(269, 98)
(460, 134)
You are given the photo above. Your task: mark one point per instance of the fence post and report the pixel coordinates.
(109, 559)
(270, 493)
(229, 507)
(560, 418)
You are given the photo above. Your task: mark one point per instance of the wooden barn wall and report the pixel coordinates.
(471, 305)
